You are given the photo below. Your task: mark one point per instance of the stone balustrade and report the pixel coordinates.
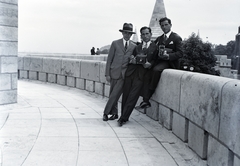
(202, 110)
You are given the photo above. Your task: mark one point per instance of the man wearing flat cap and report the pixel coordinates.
(116, 66)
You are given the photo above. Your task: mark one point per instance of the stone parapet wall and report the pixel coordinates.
(202, 110)
(102, 57)
(8, 51)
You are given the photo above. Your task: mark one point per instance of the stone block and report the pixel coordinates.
(102, 73)
(52, 65)
(23, 74)
(33, 75)
(180, 126)
(90, 70)
(71, 81)
(11, 2)
(236, 161)
(140, 99)
(165, 117)
(99, 87)
(217, 153)
(26, 63)
(106, 90)
(90, 86)
(52, 78)
(8, 48)
(61, 80)
(120, 99)
(152, 111)
(71, 67)
(42, 77)
(36, 64)
(197, 140)
(9, 15)
(8, 64)
(20, 63)
(168, 89)
(143, 111)
(201, 98)
(14, 81)
(8, 33)
(80, 83)
(5, 82)
(229, 132)
(8, 97)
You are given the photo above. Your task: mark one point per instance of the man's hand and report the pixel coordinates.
(132, 59)
(108, 78)
(147, 65)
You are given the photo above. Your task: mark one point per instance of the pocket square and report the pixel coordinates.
(171, 42)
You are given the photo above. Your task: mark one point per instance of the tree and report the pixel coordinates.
(198, 56)
(230, 49)
(225, 49)
(220, 50)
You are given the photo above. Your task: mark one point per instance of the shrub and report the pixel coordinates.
(198, 56)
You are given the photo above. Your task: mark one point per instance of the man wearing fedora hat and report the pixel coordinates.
(116, 66)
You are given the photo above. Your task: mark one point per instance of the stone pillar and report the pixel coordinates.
(8, 51)
(237, 50)
(158, 12)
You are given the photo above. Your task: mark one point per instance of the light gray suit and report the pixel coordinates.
(116, 67)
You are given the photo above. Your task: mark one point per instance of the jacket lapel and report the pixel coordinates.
(120, 44)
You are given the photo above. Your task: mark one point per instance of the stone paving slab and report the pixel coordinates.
(54, 125)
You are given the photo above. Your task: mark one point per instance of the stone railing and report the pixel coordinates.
(202, 110)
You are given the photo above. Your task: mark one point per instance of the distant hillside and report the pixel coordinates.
(105, 47)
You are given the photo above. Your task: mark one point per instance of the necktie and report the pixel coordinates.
(126, 46)
(165, 38)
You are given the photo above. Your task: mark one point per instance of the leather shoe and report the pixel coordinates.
(113, 117)
(145, 104)
(121, 122)
(105, 117)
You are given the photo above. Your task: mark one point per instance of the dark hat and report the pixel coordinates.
(127, 27)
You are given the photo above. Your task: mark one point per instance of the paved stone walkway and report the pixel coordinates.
(53, 125)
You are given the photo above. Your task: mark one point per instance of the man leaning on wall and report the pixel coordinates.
(116, 66)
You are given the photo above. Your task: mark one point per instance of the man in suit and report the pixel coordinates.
(116, 66)
(169, 51)
(144, 56)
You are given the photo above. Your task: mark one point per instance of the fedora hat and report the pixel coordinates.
(127, 27)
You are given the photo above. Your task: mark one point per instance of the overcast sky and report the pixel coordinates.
(74, 26)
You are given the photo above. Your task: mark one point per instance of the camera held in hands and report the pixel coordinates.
(161, 50)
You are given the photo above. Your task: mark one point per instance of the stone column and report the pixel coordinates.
(8, 51)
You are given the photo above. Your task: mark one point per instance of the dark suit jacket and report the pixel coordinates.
(118, 58)
(152, 55)
(174, 42)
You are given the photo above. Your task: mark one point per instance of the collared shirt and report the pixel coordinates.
(168, 34)
(124, 41)
(144, 43)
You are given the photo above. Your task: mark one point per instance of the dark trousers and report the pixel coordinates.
(131, 91)
(114, 95)
(151, 80)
